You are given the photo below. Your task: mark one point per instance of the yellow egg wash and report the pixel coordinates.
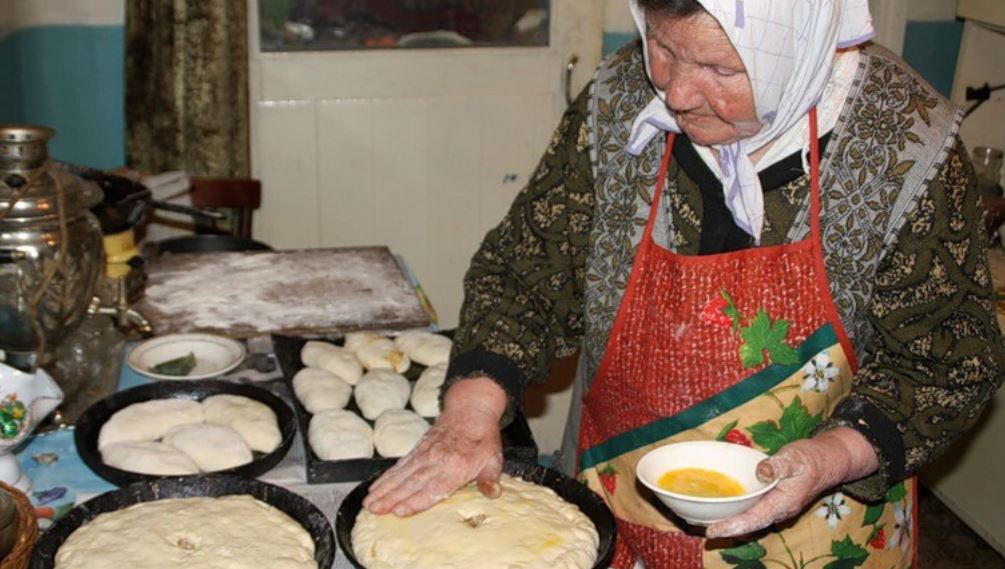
(700, 483)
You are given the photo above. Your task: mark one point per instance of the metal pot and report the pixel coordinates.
(51, 253)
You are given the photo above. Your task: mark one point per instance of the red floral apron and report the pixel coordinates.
(745, 347)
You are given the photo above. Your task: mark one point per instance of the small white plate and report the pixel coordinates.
(214, 355)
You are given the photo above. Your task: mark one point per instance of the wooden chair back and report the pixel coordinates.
(243, 195)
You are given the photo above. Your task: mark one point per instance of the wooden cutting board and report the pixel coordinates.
(314, 291)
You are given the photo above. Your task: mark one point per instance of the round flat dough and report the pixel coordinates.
(383, 354)
(340, 435)
(313, 350)
(424, 347)
(254, 420)
(231, 532)
(397, 431)
(528, 526)
(342, 363)
(355, 340)
(146, 457)
(426, 393)
(149, 420)
(321, 390)
(211, 447)
(380, 390)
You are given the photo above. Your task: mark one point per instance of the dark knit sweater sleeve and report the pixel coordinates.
(523, 292)
(938, 355)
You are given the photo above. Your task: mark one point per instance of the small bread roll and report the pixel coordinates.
(355, 340)
(383, 354)
(147, 457)
(342, 363)
(340, 435)
(255, 421)
(313, 350)
(211, 447)
(426, 393)
(380, 390)
(424, 347)
(397, 431)
(320, 390)
(149, 420)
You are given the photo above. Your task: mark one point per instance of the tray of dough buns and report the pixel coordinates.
(366, 398)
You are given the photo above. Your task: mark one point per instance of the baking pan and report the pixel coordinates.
(293, 505)
(567, 488)
(89, 425)
(518, 442)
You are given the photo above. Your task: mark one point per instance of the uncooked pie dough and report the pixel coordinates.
(424, 347)
(527, 527)
(396, 432)
(149, 420)
(232, 532)
(313, 350)
(211, 447)
(254, 420)
(320, 390)
(380, 390)
(146, 457)
(340, 435)
(342, 363)
(383, 354)
(425, 397)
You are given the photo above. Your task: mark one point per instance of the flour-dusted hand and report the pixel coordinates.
(806, 469)
(463, 445)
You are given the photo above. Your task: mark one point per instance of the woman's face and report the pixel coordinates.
(706, 84)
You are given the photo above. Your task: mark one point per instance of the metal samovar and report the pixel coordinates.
(51, 252)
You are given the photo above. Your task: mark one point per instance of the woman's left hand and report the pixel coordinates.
(806, 469)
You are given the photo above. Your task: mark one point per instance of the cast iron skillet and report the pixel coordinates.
(89, 425)
(293, 505)
(567, 488)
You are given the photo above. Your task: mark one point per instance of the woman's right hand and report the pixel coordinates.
(463, 445)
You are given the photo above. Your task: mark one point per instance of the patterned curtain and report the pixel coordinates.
(187, 86)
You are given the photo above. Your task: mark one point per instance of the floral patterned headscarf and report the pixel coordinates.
(787, 47)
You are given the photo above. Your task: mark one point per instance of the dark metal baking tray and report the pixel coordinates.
(518, 442)
(89, 425)
(293, 505)
(567, 488)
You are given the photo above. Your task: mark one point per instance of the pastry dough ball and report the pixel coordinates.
(380, 390)
(146, 457)
(355, 340)
(426, 393)
(211, 447)
(148, 421)
(320, 390)
(340, 435)
(397, 431)
(255, 422)
(342, 363)
(383, 354)
(313, 350)
(424, 347)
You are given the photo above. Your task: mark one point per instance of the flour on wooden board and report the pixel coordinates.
(260, 292)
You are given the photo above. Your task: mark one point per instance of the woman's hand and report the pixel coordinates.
(807, 468)
(463, 445)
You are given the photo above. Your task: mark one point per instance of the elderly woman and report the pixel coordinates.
(755, 231)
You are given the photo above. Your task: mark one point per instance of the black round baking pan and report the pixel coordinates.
(567, 488)
(293, 505)
(89, 425)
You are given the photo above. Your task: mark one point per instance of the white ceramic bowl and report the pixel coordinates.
(733, 460)
(214, 355)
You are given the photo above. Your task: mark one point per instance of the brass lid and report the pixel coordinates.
(24, 161)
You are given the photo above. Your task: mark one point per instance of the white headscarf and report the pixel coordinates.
(788, 50)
